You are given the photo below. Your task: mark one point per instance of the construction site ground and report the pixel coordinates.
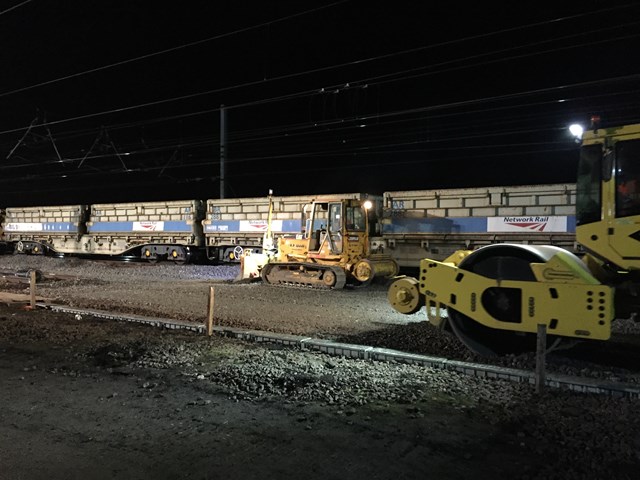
(90, 398)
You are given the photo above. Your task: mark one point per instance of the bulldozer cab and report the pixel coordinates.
(321, 225)
(331, 227)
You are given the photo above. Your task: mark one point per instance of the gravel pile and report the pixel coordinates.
(584, 434)
(589, 436)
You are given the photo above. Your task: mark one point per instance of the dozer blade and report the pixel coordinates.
(251, 264)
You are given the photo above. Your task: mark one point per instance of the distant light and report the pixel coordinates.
(367, 205)
(362, 126)
(576, 130)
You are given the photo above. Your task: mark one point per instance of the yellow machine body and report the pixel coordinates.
(332, 248)
(329, 240)
(565, 297)
(609, 188)
(494, 298)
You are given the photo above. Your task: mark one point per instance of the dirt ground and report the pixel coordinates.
(85, 398)
(70, 412)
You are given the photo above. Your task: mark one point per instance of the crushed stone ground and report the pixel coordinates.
(91, 398)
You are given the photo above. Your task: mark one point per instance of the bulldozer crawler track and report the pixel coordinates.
(303, 275)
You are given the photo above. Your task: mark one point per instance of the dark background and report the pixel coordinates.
(320, 97)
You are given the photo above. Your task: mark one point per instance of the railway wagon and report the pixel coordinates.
(153, 230)
(4, 246)
(234, 224)
(436, 223)
(38, 229)
(408, 225)
(157, 230)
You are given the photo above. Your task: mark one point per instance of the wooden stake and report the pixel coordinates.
(32, 287)
(541, 352)
(210, 316)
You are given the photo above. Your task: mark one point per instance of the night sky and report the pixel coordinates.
(123, 98)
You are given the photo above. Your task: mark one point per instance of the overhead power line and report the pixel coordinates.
(287, 133)
(318, 70)
(465, 103)
(381, 79)
(172, 49)
(354, 152)
(331, 67)
(14, 7)
(373, 148)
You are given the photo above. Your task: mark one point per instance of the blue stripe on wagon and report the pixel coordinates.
(436, 225)
(169, 226)
(233, 226)
(60, 227)
(450, 225)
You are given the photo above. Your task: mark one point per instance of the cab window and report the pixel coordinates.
(588, 185)
(335, 221)
(627, 168)
(355, 219)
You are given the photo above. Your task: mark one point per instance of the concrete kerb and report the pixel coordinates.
(365, 352)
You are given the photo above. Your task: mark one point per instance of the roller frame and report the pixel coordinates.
(444, 285)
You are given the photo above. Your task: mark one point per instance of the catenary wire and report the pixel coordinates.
(14, 7)
(297, 74)
(169, 50)
(340, 122)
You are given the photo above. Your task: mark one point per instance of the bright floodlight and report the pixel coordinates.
(367, 205)
(576, 130)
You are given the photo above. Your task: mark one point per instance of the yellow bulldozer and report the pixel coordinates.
(494, 298)
(331, 251)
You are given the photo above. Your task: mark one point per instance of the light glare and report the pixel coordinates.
(576, 130)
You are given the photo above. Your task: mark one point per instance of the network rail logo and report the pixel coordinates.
(530, 223)
(148, 226)
(537, 224)
(259, 225)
